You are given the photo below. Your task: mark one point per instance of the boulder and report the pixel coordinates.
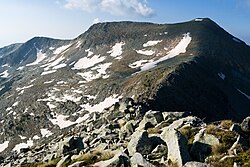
(120, 159)
(174, 115)
(69, 144)
(151, 119)
(140, 142)
(127, 130)
(236, 128)
(62, 161)
(196, 164)
(138, 160)
(158, 152)
(176, 142)
(202, 145)
(245, 125)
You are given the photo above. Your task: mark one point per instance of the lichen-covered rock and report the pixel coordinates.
(138, 160)
(150, 119)
(196, 164)
(159, 152)
(202, 145)
(127, 130)
(176, 142)
(140, 142)
(120, 159)
(245, 125)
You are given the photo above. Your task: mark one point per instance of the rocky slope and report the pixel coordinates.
(124, 135)
(49, 87)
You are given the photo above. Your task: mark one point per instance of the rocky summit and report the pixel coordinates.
(127, 94)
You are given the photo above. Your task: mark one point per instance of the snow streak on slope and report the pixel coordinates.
(18, 147)
(85, 62)
(3, 146)
(116, 49)
(61, 49)
(4, 74)
(151, 43)
(102, 105)
(39, 57)
(247, 96)
(146, 52)
(180, 48)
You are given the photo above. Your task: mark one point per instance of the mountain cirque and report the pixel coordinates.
(58, 91)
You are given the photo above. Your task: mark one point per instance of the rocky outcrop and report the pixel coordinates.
(115, 138)
(140, 142)
(245, 125)
(202, 145)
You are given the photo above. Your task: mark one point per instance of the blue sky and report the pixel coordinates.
(66, 19)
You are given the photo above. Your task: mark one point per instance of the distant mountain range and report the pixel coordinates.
(51, 84)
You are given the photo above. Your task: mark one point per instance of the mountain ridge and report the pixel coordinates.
(195, 66)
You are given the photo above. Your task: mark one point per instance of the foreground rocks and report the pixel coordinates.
(125, 136)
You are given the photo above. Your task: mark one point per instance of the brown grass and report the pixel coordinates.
(226, 124)
(154, 130)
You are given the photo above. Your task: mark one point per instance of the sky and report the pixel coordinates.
(21, 20)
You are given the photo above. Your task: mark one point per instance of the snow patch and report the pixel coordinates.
(36, 137)
(4, 74)
(3, 146)
(39, 57)
(151, 43)
(236, 40)
(101, 68)
(61, 49)
(116, 49)
(180, 48)
(48, 82)
(23, 145)
(146, 52)
(48, 72)
(89, 52)
(247, 96)
(61, 121)
(59, 66)
(15, 104)
(85, 62)
(6, 65)
(22, 137)
(46, 132)
(78, 44)
(102, 105)
(221, 75)
(1, 88)
(198, 19)
(25, 87)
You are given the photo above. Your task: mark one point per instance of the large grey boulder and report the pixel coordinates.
(245, 125)
(202, 145)
(138, 160)
(120, 159)
(176, 142)
(140, 142)
(150, 119)
(196, 164)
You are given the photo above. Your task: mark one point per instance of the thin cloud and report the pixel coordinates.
(114, 7)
